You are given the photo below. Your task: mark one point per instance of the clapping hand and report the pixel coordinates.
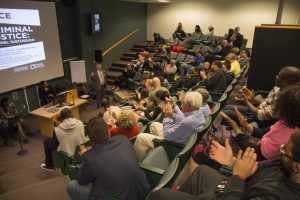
(245, 165)
(222, 155)
(168, 111)
(249, 95)
(231, 122)
(243, 120)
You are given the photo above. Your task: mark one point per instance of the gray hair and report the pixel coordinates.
(194, 99)
(204, 93)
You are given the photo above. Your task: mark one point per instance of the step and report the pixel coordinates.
(53, 188)
(130, 54)
(120, 63)
(117, 69)
(112, 75)
(25, 177)
(126, 58)
(140, 44)
(136, 49)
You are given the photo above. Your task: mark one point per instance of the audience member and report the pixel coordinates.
(244, 58)
(288, 112)
(180, 34)
(197, 30)
(66, 136)
(178, 126)
(235, 39)
(11, 118)
(211, 31)
(152, 100)
(46, 93)
(235, 65)
(109, 109)
(127, 124)
(120, 81)
(224, 49)
(229, 75)
(189, 42)
(278, 179)
(110, 168)
(265, 110)
(170, 68)
(173, 41)
(197, 60)
(217, 81)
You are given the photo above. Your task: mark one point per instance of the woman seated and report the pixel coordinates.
(11, 118)
(46, 93)
(127, 124)
(109, 108)
(288, 109)
(143, 99)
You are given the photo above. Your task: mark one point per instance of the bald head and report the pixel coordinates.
(156, 82)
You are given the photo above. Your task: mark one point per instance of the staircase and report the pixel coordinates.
(118, 66)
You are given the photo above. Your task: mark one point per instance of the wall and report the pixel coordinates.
(163, 18)
(76, 40)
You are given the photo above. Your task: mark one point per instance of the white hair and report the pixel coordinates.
(194, 99)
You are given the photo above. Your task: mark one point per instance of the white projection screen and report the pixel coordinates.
(29, 44)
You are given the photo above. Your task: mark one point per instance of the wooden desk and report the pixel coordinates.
(46, 119)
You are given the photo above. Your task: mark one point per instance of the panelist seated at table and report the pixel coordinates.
(46, 93)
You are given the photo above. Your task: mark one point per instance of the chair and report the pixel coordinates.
(244, 44)
(180, 57)
(196, 36)
(212, 37)
(203, 37)
(135, 81)
(215, 111)
(222, 99)
(204, 48)
(173, 55)
(220, 39)
(62, 160)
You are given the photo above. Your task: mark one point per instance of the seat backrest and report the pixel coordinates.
(211, 37)
(196, 36)
(204, 48)
(137, 76)
(188, 58)
(196, 47)
(157, 157)
(220, 39)
(180, 57)
(173, 55)
(203, 37)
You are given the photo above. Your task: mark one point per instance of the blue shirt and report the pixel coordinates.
(205, 109)
(200, 59)
(183, 126)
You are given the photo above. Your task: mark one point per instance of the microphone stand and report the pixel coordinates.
(22, 152)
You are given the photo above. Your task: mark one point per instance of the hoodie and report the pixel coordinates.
(70, 133)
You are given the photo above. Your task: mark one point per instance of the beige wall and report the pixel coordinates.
(163, 18)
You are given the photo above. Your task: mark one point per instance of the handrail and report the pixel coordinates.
(120, 41)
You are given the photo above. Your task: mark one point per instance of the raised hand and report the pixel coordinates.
(222, 155)
(243, 120)
(245, 165)
(248, 94)
(168, 111)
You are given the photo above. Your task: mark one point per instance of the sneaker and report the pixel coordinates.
(117, 89)
(44, 167)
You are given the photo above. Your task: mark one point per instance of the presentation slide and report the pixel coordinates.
(29, 44)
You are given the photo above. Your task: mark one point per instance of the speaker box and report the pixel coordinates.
(98, 55)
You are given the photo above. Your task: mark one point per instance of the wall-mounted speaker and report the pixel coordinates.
(98, 55)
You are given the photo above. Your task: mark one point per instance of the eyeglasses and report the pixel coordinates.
(283, 151)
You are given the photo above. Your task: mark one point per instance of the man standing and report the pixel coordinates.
(67, 135)
(235, 39)
(99, 78)
(110, 168)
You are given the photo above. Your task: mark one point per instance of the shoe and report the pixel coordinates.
(44, 167)
(113, 88)
(8, 143)
(117, 89)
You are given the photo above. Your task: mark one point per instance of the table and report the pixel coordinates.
(46, 118)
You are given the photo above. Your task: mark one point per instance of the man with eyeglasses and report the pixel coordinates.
(277, 179)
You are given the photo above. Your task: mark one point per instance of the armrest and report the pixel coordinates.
(153, 174)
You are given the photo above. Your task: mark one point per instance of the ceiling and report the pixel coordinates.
(148, 1)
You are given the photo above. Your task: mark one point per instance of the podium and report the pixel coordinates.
(47, 115)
